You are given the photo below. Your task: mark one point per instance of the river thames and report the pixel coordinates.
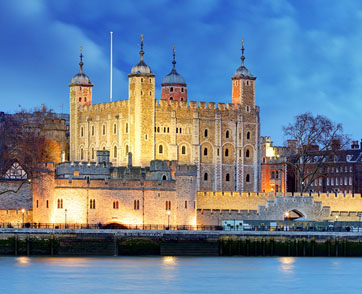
(180, 275)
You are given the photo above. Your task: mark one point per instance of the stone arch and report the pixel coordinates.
(114, 224)
(92, 152)
(164, 149)
(230, 148)
(210, 152)
(293, 214)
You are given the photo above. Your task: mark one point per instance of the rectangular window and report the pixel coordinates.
(47, 203)
(185, 203)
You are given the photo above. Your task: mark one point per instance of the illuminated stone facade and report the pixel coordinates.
(91, 193)
(221, 140)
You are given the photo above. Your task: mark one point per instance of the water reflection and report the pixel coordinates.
(287, 264)
(23, 261)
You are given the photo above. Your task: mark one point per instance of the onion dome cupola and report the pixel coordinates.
(81, 86)
(81, 78)
(141, 68)
(173, 85)
(242, 71)
(243, 85)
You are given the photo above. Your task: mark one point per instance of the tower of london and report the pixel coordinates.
(220, 139)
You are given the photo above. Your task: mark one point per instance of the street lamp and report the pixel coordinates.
(168, 219)
(286, 216)
(65, 218)
(23, 211)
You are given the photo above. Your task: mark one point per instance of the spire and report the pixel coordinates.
(174, 60)
(81, 60)
(142, 52)
(242, 53)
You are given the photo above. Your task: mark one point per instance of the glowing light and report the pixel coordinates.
(23, 260)
(22, 210)
(287, 264)
(169, 260)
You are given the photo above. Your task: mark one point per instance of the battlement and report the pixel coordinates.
(201, 105)
(103, 106)
(186, 169)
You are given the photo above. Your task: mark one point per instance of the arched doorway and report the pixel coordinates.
(114, 225)
(293, 214)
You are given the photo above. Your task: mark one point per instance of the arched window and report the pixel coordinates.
(227, 177)
(126, 149)
(103, 130)
(182, 90)
(85, 99)
(205, 133)
(227, 134)
(115, 151)
(206, 176)
(141, 80)
(247, 178)
(81, 154)
(226, 152)
(171, 98)
(171, 89)
(183, 150)
(248, 135)
(136, 204)
(247, 153)
(81, 131)
(92, 204)
(60, 203)
(205, 151)
(168, 205)
(126, 128)
(115, 205)
(160, 149)
(80, 99)
(158, 129)
(164, 178)
(92, 153)
(115, 129)
(92, 130)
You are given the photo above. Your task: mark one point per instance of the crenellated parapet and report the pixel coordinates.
(104, 106)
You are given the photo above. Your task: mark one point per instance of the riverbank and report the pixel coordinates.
(35, 242)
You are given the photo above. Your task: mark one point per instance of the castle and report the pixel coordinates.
(221, 140)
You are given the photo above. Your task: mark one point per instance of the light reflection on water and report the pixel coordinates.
(179, 275)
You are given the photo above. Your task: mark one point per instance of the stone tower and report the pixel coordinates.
(243, 89)
(173, 85)
(141, 112)
(80, 95)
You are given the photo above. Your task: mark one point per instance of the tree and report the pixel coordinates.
(316, 139)
(22, 138)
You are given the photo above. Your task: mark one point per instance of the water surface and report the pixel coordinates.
(180, 275)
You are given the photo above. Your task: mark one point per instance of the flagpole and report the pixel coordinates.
(110, 93)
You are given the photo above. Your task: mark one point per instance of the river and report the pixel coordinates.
(180, 275)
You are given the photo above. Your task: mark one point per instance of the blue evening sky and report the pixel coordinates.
(307, 55)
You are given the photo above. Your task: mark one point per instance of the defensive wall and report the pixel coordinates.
(213, 207)
(14, 217)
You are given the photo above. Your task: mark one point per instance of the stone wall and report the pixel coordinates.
(16, 200)
(14, 217)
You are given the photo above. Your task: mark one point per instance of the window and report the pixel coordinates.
(336, 181)
(247, 153)
(350, 181)
(206, 176)
(327, 181)
(126, 128)
(92, 153)
(47, 203)
(171, 98)
(60, 203)
(92, 204)
(205, 133)
(146, 137)
(37, 204)
(80, 99)
(164, 129)
(227, 134)
(186, 204)
(168, 205)
(171, 89)
(205, 151)
(141, 93)
(183, 150)
(81, 154)
(164, 178)
(247, 178)
(115, 129)
(92, 130)
(115, 205)
(158, 129)
(136, 205)
(126, 150)
(141, 80)
(104, 130)
(150, 93)
(248, 135)
(160, 149)
(218, 151)
(81, 131)
(115, 151)
(226, 152)
(227, 177)
(85, 99)
(345, 181)
(182, 90)
(272, 175)
(150, 80)
(276, 174)
(247, 108)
